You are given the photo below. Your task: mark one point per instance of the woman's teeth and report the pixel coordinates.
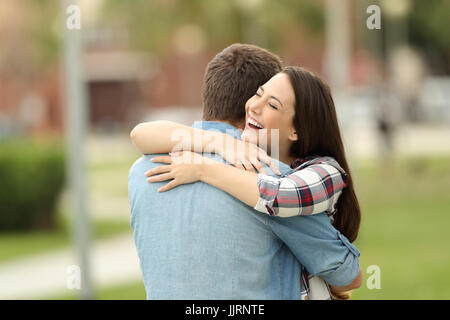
(255, 124)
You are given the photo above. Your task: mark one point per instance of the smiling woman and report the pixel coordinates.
(269, 117)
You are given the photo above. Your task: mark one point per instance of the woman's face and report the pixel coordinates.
(271, 109)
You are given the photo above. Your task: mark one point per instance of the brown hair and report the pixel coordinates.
(318, 132)
(232, 77)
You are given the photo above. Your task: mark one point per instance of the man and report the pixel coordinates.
(197, 242)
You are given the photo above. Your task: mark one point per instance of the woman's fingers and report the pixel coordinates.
(248, 166)
(162, 159)
(239, 165)
(158, 170)
(274, 167)
(264, 157)
(172, 184)
(258, 166)
(161, 177)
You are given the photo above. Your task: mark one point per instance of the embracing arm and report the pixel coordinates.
(191, 167)
(308, 191)
(241, 184)
(167, 136)
(322, 249)
(312, 190)
(344, 292)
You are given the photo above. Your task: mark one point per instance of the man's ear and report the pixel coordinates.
(293, 136)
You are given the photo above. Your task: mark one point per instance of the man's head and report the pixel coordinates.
(232, 77)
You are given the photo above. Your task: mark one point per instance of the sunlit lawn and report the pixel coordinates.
(129, 291)
(405, 229)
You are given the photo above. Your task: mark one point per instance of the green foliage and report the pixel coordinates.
(32, 177)
(428, 30)
(126, 291)
(429, 23)
(43, 33)
(152, 24)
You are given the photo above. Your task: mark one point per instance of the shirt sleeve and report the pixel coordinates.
(322, 249)
(314, 189)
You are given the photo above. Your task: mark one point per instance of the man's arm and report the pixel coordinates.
(354, 285)
(322, 249)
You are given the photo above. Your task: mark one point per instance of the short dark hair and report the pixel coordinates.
(232, 77)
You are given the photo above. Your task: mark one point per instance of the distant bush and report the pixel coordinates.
(32, 177)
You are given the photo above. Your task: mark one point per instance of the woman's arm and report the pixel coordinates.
(190, 167)
(241, 184)
(312, 190)
(167, 136)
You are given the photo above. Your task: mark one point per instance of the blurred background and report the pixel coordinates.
(69, 98)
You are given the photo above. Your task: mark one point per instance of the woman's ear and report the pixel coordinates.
(293, 136)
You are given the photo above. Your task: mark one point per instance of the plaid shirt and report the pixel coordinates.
(312, 187)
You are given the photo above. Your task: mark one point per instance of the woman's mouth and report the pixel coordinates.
(253, 124)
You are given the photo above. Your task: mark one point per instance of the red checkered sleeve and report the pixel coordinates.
(314, 187)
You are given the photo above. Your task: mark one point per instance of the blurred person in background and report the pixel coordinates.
(198, 242)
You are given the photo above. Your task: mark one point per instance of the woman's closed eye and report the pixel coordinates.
(273, 106)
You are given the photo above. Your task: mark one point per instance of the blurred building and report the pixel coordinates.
(127, 85)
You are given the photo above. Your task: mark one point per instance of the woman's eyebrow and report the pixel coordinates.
(277, 100)
(262, 89)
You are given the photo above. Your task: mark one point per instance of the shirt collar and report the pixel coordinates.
(218, 126)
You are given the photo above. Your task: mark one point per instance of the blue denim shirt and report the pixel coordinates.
(198, 242)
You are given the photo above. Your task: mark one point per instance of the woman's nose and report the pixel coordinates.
(256, 106)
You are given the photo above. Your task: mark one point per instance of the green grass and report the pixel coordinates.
(405, 229)
(18, 244)
(110, 179)
(128, 291)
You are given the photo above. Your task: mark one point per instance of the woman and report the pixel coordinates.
(292, 113)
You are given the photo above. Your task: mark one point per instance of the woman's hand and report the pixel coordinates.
(245, 155)
(183, 167)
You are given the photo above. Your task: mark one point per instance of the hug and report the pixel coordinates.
(261, 204)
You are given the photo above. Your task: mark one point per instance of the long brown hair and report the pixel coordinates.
(318, 132)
